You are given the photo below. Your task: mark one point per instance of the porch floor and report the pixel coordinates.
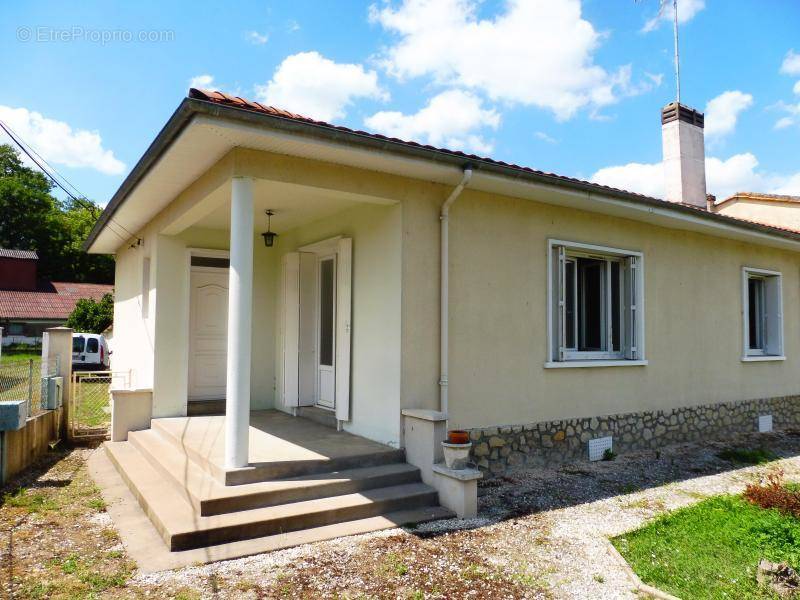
(280, 446)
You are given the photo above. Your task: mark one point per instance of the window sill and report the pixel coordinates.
(579, 364)
(762, 358)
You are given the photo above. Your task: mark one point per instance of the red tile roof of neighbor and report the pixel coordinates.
(56, 301)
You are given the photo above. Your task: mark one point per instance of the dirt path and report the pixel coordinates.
(540, 534)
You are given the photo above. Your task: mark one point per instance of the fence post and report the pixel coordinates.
(30, 386)
(57, 346)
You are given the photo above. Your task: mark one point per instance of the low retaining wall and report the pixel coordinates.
(497, 450)
(20, 449)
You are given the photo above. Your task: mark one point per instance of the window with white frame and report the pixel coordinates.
(763, 313)
(596, 298)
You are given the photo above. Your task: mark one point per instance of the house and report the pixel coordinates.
(288, 272)
(772, 209)
(29, 305)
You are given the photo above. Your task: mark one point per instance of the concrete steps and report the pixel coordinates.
(318, 486)
(277, 469)
(209, 497)
(182, 527)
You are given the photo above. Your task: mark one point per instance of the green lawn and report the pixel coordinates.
(711, 549)
(14, 375)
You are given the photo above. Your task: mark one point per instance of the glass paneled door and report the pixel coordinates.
(326, 341)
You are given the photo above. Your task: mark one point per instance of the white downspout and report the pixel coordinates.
(444, 295)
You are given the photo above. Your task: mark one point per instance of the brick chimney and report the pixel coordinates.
(684, 154)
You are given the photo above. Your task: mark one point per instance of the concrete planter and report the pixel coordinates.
(456, 455)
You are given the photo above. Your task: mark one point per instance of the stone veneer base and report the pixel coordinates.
(497, 450)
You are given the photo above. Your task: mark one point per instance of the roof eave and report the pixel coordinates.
(192, 106)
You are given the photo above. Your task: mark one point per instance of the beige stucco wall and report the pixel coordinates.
(498, 326)
(498, 316)
(780, 214)
(165, 333)
(376, 329)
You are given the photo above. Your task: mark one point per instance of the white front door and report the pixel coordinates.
(326, 332)
(208, 333)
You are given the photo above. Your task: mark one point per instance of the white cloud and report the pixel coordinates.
(201, 81)
(737, 173)
(314, 86)
(643, 178)
(796, 88)
(792, 116)
(545, 138)
(453, 119)
(535, 52)
(59, 143)
(256, 38)
(791, 63)
(723, 111)
(687, 9)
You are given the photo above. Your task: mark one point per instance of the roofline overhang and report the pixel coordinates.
(190, 107)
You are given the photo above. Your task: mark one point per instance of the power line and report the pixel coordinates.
(81, 201)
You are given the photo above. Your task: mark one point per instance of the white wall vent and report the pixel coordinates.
(764, 423)
(598, 447)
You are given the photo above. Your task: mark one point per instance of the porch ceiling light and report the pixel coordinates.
(269, 236)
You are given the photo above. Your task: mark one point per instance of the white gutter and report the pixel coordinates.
(444, 294)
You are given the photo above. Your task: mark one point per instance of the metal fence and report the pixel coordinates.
(26, 379)
(89, 413)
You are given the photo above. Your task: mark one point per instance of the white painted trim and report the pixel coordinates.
(749, 355)
(323, 247)
(208, 252)
(763, 358)
(640, 304)
(579, 364)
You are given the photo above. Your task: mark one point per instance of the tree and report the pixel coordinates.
(90, 316)
(33, 219)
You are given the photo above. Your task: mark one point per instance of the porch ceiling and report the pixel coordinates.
(294, 205)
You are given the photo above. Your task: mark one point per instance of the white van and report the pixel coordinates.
(90, 351)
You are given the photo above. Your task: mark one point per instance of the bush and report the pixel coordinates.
(92, 317)
(773, 493)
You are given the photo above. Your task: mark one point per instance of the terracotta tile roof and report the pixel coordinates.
(25, 254)
(54, 301)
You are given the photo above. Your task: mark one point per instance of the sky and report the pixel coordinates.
(573, 87)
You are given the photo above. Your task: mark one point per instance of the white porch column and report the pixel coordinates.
(240, 306)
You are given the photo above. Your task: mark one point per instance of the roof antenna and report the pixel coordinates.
(662, 6)
(677, 53)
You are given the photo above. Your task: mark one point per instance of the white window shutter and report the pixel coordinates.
(773, 316)
(290, 328)
(344, 315)
(561, 303)
(631, 308)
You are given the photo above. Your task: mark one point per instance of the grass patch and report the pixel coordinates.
(30, 501)
(394, 564)
(711, 549)
(747, 456)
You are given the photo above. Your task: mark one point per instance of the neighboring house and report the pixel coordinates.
(538, 311)
(28, 305)
(772, 209)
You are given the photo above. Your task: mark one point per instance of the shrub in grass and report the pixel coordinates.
(773, 493)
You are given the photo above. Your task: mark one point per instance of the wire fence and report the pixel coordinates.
(26, 379)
